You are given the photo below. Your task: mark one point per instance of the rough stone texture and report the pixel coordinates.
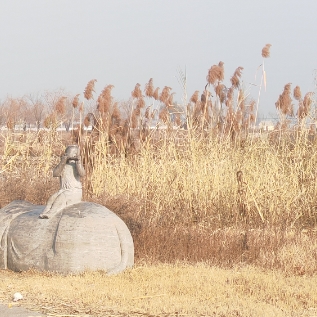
(84, 236)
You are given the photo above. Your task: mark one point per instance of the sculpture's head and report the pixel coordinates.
(72, 151)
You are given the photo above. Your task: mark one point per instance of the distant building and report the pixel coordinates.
(266, 125)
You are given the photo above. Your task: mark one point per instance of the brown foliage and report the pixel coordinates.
(215, 73)
(304, 106)
(105, 100)
(194, 97)
(81, 107)
(140, 103)
(90, 89)
(170, 99)
(116, 115)
(220, 92)
(284, 102)
(156, 93)
(297, 93)
(136, 93)
(149, 88)
(165, 94)
(235, 79)
(266, 51)
(60, 106)
(229, 100)
(308, 101)
(75, 101)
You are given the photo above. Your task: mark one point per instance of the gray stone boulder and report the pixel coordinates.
(84, 236)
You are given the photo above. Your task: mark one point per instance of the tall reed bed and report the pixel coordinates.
(190, 181)
(187, 197)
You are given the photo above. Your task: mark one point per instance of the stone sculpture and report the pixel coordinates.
(67, 235)
(69, 170)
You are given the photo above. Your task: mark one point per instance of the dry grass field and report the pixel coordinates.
(165, 290)
(248, 240)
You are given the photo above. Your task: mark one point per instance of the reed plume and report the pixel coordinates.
(297, 93)
(60, 106)
(81, 107)
(215, 73)
(221, 71)
(165, 94)
(194, 97)
(156, 93)
(220, 92)
(235, 79)
(149, 88)
(75, 101)
(170, 99)
(284, 102)
(140, 103)
(307, 102)
(136, 93)
(105, 100)
(266, 51)
(229, 99)
(90, 88)
(116, 115)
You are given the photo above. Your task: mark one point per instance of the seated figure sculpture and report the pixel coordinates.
(76, 235)
(69, 170)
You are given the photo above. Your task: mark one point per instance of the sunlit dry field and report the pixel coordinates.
(165, 290)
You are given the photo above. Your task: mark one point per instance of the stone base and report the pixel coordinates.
(84, 236)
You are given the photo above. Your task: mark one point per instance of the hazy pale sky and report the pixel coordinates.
(48, 44)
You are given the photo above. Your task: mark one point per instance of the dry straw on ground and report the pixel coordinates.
(164, 290)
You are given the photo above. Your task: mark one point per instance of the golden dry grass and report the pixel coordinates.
(180, 190)
(180, 196)
(165, 290)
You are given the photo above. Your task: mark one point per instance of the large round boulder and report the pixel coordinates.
(84, 236)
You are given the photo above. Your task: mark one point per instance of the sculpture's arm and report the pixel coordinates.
(80, 168)
(59, 168)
